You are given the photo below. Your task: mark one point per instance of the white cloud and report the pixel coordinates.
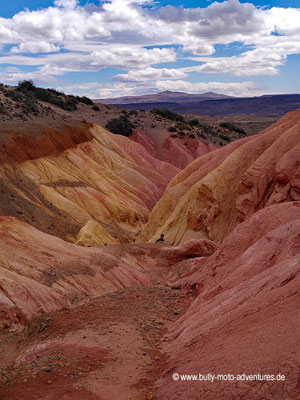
(116, 33)
(150, 74)
(199, 48)
(264, 60)
(66, 3)
(125, 57)
(13, 77)
(238, 89)
(35, 47)
(103, 90)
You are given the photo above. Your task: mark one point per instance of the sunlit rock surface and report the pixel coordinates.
(59, 180)
(181, 152)
(42, 273)
(224, 187)
(245, 317)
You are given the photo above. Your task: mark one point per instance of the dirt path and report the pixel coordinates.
(108, 349)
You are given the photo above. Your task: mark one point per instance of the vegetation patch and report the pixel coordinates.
(232, 127)
(168, 114)
(120, 126)
(2, 108)
(226, 138)
(194, 122)
(31, 94)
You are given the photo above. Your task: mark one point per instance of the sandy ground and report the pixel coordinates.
(109, 349)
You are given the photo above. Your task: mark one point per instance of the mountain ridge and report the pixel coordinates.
(162, 97)
(106, 317)
(259, 105)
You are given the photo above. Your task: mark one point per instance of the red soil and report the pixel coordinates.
(109, 349)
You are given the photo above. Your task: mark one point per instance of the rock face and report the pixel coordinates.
(245, 317)
(42, 273)
(224, 187)
(145, 141)
(176, 151)
(63, 180)
(181, 152)
(234, 217)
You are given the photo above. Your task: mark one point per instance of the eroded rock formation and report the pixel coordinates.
(234, 217)
(245, 317)
(41, 273)
(222, 188)
(63, 180)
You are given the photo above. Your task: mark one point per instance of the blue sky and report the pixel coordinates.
(126, 47)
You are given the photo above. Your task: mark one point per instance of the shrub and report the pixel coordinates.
(182, 126)
(96, 108)
(206, 128)
(29, 106)
(120, 126)
(226, 138)
(84, 100)
(14, 95)
(2, 108)
(194, 122)
(26, 85)
(51, 96)
(172, 129)
(230, 126)
(166, 113)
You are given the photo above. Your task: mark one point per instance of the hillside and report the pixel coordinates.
(217, 191)
(93, 308)
(263, 105)
(163, 97)
(53, 109)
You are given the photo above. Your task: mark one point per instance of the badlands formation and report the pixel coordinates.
(92, 308)
(82, 183)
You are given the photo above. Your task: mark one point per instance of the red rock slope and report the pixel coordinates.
(41, 273)
(178, 152)
(80, 183)
(245, 318)
(181, 152)
(224, 187)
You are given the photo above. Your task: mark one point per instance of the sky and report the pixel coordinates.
(131, 47)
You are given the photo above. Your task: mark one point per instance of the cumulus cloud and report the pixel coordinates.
(35, 47)
(150, 74)
(103, 90)
(229, 88)
(260, 61)
(124, 57)
(66, 3)
(126, 35)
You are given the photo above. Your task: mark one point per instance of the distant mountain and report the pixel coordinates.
(164, 97)
(263, 105)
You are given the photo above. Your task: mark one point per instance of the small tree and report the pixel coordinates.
(26, 85)
(120, 126)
